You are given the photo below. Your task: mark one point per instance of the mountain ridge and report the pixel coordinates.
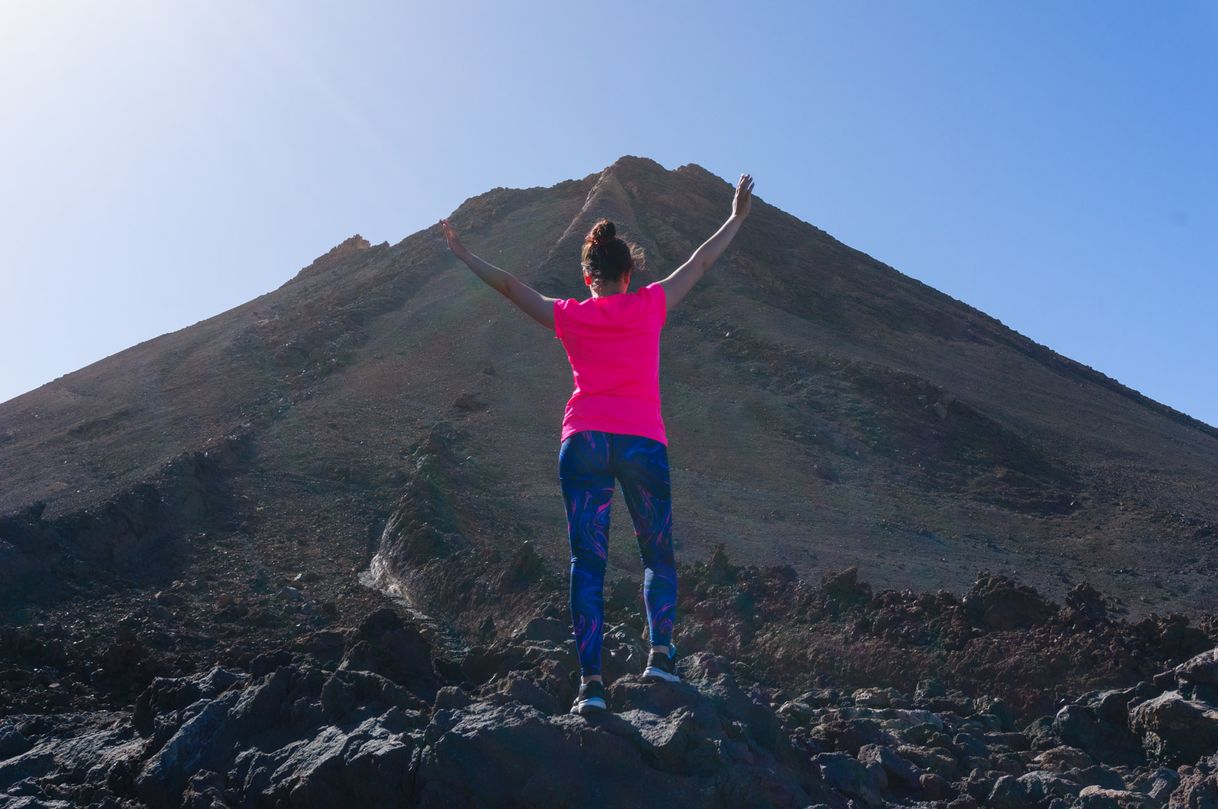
(895, 411)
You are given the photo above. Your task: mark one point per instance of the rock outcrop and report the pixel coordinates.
(383, 718)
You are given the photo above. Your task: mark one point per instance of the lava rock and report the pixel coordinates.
(844, 590)
(1198, 786)
(934, 759)
(934, 787)
(548, 629)
(999, 602)
(1042, 785)
(480, 754)
(1094, 797)
(1097, 733)
(204, 790)
(90, 754)
(209, 737)
(1199, 675)
(368, 765)
(898, 769)
(1097, 775)
(852, 777)
(1158, 783)
(12, 742)
(385, 644)
(1010, 793)
(1062, 758)
(1175, 730)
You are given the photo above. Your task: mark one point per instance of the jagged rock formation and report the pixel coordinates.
(375, 716)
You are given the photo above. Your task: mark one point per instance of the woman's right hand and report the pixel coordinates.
(742, 202)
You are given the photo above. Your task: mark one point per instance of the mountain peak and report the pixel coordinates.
(629, 161)
(634, 167)
(911, 420)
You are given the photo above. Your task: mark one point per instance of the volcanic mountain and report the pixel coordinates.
(824, 411)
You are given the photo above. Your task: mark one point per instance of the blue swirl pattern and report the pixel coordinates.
(588, 463)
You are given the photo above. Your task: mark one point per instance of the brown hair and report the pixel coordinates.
(606, 257)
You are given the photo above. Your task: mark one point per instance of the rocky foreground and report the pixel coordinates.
(378, 715)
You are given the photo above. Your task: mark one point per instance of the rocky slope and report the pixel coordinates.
(915, 437)
(795, 693)
(388, 713)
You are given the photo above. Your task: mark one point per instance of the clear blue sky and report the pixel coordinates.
(1053, 164)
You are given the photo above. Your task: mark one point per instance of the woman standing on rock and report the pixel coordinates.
(612, 427)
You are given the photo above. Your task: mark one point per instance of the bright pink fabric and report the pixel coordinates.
(613, 344)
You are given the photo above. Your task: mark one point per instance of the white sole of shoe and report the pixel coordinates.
(588, 706)
(660, 674)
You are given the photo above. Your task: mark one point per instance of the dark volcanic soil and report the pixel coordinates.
(798, 673)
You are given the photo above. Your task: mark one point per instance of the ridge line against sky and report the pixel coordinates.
(1049, 164)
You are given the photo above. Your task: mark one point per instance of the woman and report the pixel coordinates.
(612, 427)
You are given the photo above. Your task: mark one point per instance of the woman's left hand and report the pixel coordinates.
(454, 243)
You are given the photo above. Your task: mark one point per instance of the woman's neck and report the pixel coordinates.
(597, 292)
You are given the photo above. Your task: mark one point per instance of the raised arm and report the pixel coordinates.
(684, 277)
(534, 304)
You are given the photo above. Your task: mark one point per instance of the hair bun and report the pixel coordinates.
(602, 232)
(605, 255)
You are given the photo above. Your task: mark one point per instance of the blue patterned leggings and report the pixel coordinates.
(588, 462)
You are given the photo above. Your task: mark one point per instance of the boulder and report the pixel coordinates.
(1010, 793)
(1093, 728)
(1042, 785)
(209, 736)
(498, 748)
(367, 765)
(386, 644)
(852, 777)
(204, 790)
(843, 590)
(999, 602)
(1158, 783)
(934, 787)
(1097, 775)
(1096, 797)
(1198, 787)
(1199, 676)
(1175, 730)
(12, 742)
(934, 759)
(899, 770)
(1061, 758)
(849, 735)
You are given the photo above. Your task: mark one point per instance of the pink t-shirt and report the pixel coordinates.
(613, 344)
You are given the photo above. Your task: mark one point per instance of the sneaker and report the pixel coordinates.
(591, 698)
(662, 666)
